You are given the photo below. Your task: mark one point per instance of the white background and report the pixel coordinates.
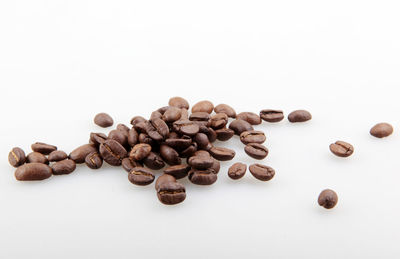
(61, 62)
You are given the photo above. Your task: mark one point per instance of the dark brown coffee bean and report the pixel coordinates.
(119, 136)
(133, 137)
(94, 160)
(128, 164)
(210, 132)
(179, 143)
(103, 120)
(147, 127)
(141, 176)
(341, 148)
(16, 157)
(169, 155)
(299, 116)
(186, 127)
(122, 127)
(161, 127)
(256, 151)
(145, 139)
(222, 154)
(66, 166)
(178, 102)
(381, 130)
(178, 171)
(97, 138)
(113, 152)
(33, 172)
(137, 119)
(202, 177)
(154, 161)
(172, 114)
(201, 163)
(250, 117)
(224, 134)
(189, 151)
(216, 166)
(252, 136)
(36, 157)
(57, 155)
(262, 172)
(79, 154)
(224, 108)
(43, 148)
(199, 116)
(169, 191)
(328, 199)
(239, 126)
(139, 152)
(155, 115)
(271, 115)
(202, 140)
(237, 171)
(202, 153)
(203, 106)
(218, 121)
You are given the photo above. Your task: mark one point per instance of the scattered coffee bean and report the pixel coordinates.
(271, 115)
(94, 160)
(122, 127)
(178, 171)
(103, 120)
(262, 172)
(216, 166)
(43, 148)
(16, 157)
(128, 164)
(218, 121)
(66, 166)
(154, 161)
(328, 199)
(256, 151)
(141, 176)
(169, 191)
(341, 148)
(252, 136)
(119, 136)
(33, 172)
(133, 137)
(178, 102)
(224, 108)
(202, 177)
(57, 155)
(239, 126)
(186, 127)
(199, 116)
(36, 157)
(169, 155)
(137, 119)
(250, 117)
(97, 138)
(201, 163)
(112, 152)
(79, 154)
(381, 130)
(155, 115)
(172, 114)
(189, 151)
(203, 106)
(224, 134)
(211, 134)
(161, 127)
(222, 154)
(237, 171)
(139, 152)
(202, 140)
(179, 143)
(299, 116)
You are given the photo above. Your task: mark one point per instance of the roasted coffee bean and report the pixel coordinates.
(216, 166)
(133, 137)
(341, 148)
(172, 114)
(169, 191)
(218, 121)
(381, 130)
(179, 143)
(201, 163)
(33, 172)
(43, 148)
(224, 134)
(97, 138)
(128, 164)
(79, 154)
(178, 171)
(222, 154)
(252, 136)
(112, 152)
(299, 116)
(256, 151)
(145, 139)
(237, 171)
(119, 136)
(202, 177)
(199, 116)
(154, 161)
(94, 160)
(186, 127)
(262, 172)
(122, 127)
(328, 199)
(147, 127)
(202, 140)
(65, 166)
(163, 109)
(202, 153)
(103, 120)
(139, 152)
(271, 115)
(184, 114)
(203, 106)
(178, 102)
(250, 117)
(57, 155)
(210, 132)
(169, 155)
(155, 115)
(137, 119)
(239, 126)
(141, 176)
(161, 127)
(16, 157)
(224, 108)
(36, 157)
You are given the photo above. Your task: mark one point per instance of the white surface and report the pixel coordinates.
(61, 62)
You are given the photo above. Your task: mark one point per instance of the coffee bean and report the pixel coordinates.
(94, 160)
(169, 155)
(262, 172)
(210, 132)
(139, 152)
(239, 126)
(186, 127)
(341, 148)
(202, 153)
(328, 199)
(203, 106)
(381, 130)
(133, 137)
(57, 155)
(179, 143)
(169, 191)
(218, 121)
(155, 115)
(43, 148)
(178, 171)
(36, 157)
(222, 154)
(172, 114)
(79, 154)
(250, 117)
(65, 166)
(256, 151)
(202, 140)
(271, 115)
(154, 161)
(216, 166)
(16, 157)
(237, 171)
(299, 116)
(224, 108)
(148, 128)
(202, 177)
(145, 139)
(112, 152)
(199, 116)
(128, 164)
(141, 176)
(122, 127)
(119, 136)
(103, 120)
(178, 102)
(224, 134)
(201, 163)
(33, 172)
(184, 114)
(163, 109)
(252, 136)
(97, 138)
(137, 119)
(161, 127)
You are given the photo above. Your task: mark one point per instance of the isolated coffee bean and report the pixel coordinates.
(224, 108)
(79, 154)
(178, 171)
(381, 130)
(97, 138)
(16, 157)
(43, 148)
(271, 115)
(36, 157)
(202, 177)
(112, 152)
(222, 154)
(161, 127)
(169, 191)
(66, 166)
(139, 152)
(94, 160)
(252, 136)
(202, 140)
(133, 137)
(33, 172)
(239, 126)
(237, 171)
(201, 163)
(154, 161)
(128, 164)
(341, 149)
(178, 102)
(137, 119)
(256, 151)
(203, 106)
(262, 172)
(224, 134)
(250, 117)
(169, 155)
(103, 120)
(328, 199)
(141, 176)
(299, 116)
(218, 121)
(172, 114)
(57, 155)
(119, 136)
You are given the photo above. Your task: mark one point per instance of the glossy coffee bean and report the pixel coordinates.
(224, 108)
(186, 127)
(202, 177)
(137, 119)
(216, 166)
(224, 134)
(139, 152)
(178, 171)
(341, 149)
(33, 172)
(218, 121)
(179, 143)
(262, 172)
(201, 163)
(36, 157)
(141, 176)
(203, 106)
(169, 155)
(256, 151)
(381, 130)
(133, 137)
(103, 120)
(210, 132)
(202, 153)
(239, 126)
(202, 140)
(161, 127)
(145, 139)
(119, 136)
(250, 117)
(94, 160)
(252, 136)
(172, 114)
(65, 166)
(237, 171)
(154, 161)
(271, 115)
(178, 102)
(299, 116)
(128, 164)
(222, 154)
(43, 148)
(199, 116)
(57, 155)
(169, 191)
(16, 157)
(328, 199)
(79, 154)
(112, 152)
(97, 138)
(188, 152)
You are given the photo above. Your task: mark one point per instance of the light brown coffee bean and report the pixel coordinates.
(381, 130)
(341, 149)
(103, 120)
(33, 172)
